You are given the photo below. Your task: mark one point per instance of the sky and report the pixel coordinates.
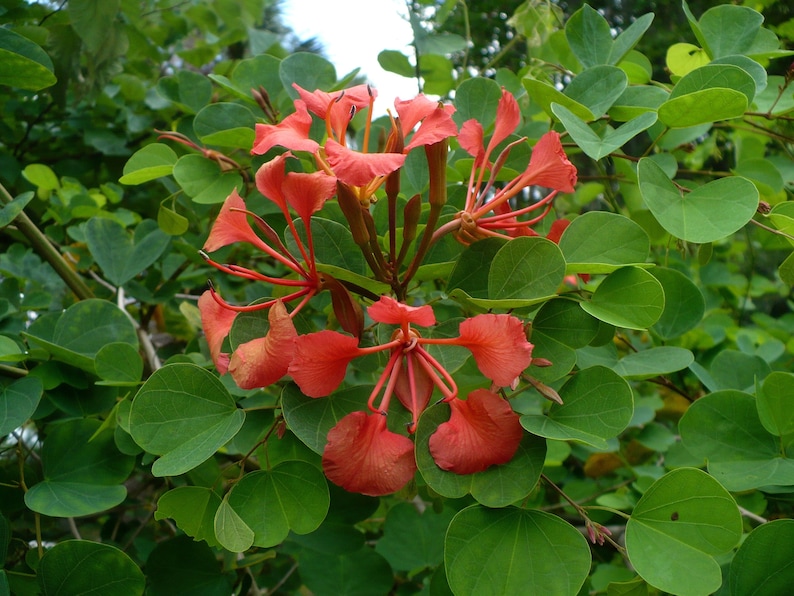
(353, 32)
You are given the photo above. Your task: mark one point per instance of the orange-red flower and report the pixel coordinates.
(487, 210)
(500, 349)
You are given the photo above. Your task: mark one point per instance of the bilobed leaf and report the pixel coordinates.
(73, 499)
(597, 405)
(396, 62)
(716, 76)
(596, 146)
(364, 572)
(85, 567)
(710, 212)
(23, 64)
(120, 256)
(601, 242)
(477, 98)
(730, 29)
(231, 530)
(149, 163)
(294, 494)
(193, 510)
(762, 566)
(514, 551)
(188, 89)
(724, 429)
(184, 414)
(473, 266)
(629, 37)
(589, 36)
(629, 297)
(679, 525)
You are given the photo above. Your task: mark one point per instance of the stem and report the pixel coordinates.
(44, 248)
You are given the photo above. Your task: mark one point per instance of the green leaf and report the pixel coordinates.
(597, 405)
(710, 212)
(477, 98)
(225, 124)
(701, 107)
(294, 494)
(203, 180)
(762, 566)
(83, 471)
(684, 304)
(23, 64)
(182, 566)
(659, 360)
(629, 297)
(119, 364)
(81, 331)
(730, 29)
(545, 95)
(716, 76)
(232, 532)
(259, 70)
(473, 266)
(149, 163)
(597, 88)
(18, 401)
(629, 37)
(90, 19)
(185, 414)
(592, 143)
(363, 573)
(10, 211)
(396, 62)
(683, 58)
(679, 525)
(590, 37)
(601, 242)
(121, 257)
(189, 90)
(413, 540)
(85, 567)
(724, 429)
(514, 551)
(193, 510)
(526, 268)
(775, 402)
(498, 486)
(309, 71)
(42, 177)
(171, 222)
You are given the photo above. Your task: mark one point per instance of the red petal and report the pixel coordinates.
(499, 345)
(437, 126)
(556, 230)
(412, 111)
(320, 361)
(507, 118)
(339, 104)
(216, 321)
(363, 456)
(232, 226)
(471, 139)
(270, 179)
(292, 133)
(549, 166)
(390, 311)
(263, 361)
(358, 169)
(307, 193)
(482, 431)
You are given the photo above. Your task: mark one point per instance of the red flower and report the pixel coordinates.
(499, 346)
(291, 133)
(320, 361)
(216, 321)
(487, 211)
(482, 431)
(364, 456)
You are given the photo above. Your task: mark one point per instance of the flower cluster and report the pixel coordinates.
(362, 453)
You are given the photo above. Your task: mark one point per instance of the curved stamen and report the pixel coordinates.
(433, 369)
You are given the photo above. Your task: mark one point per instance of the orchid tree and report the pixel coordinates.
(506, 336)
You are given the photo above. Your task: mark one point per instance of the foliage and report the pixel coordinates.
(624, 343)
